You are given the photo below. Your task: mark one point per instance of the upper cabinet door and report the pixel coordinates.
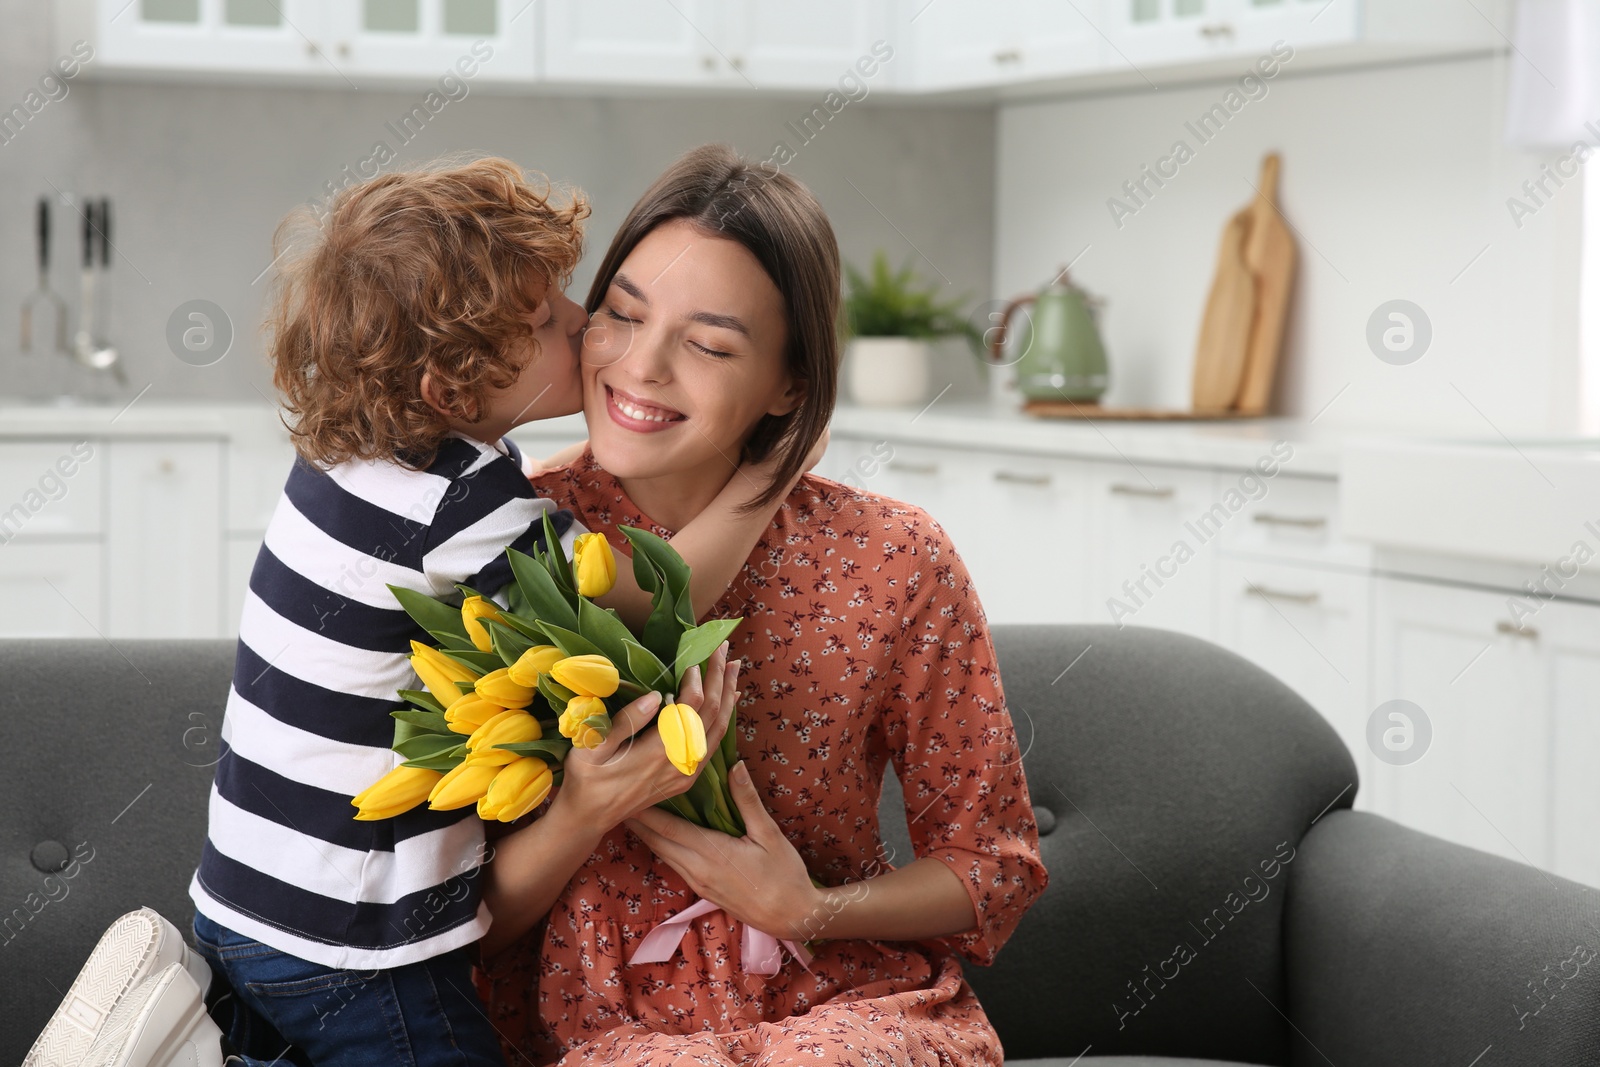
(495, 40)
(210, 36)
(964, 43)
(807, 44)
(1157, 32)
(1253, 27)
(653, 42)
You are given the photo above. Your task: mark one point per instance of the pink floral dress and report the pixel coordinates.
(864, 643)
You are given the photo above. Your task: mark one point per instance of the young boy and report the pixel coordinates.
(423, 322)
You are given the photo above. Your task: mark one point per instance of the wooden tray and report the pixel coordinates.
(1067, 409)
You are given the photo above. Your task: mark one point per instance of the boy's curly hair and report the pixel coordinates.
(430, 270)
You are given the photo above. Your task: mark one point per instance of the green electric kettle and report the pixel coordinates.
(1058, 354)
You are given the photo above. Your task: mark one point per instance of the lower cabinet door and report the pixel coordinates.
(1309, 629)
(1156, 529)
(1469, 754)
(52, 589)
(1033, 564)
(164, 539)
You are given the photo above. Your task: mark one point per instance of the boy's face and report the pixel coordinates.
(550, 384)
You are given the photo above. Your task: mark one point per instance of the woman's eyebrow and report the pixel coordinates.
(705, 318)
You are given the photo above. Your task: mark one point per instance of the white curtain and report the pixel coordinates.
(1555, 74)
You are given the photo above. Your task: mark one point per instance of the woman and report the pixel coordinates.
(712, 338)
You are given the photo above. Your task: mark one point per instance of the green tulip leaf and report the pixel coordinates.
(480, 662)
(451, 642)
(572, 644)
(422, 699)
(543, 594)
(556, 693)
(608, 633)
(728, 747)
(556, 561)
(548, 746)
(427, 746)
(646, 667)
(431, 614)
(509, 643)
(696, 645)
(446, 762)
(432, 721)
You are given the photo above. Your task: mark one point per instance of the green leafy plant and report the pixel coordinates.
(896, 303)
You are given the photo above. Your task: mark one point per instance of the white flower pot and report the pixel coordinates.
(888, 372)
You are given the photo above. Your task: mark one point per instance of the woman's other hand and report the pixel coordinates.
(628, 772)
(758, 879)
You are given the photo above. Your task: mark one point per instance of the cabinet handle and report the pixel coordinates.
(1268, 593)
(912, 468)
(737, 62)
(1015, 478)
(1217, 29)
(344, 48)
(166, 466)
(1504, 627)
(1161, 493)
(1307, 522)
(312, 50)
(1007, 56)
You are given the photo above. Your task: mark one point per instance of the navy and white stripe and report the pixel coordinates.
(323, 647)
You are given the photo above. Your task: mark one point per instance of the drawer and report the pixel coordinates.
(51, 489)
(52, 590)
(1289, 518)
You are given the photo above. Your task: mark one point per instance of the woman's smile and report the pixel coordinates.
(633, 413)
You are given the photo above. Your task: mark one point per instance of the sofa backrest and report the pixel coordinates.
(1172, 781)
(109, 754)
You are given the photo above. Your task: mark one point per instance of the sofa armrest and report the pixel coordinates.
(1405, 949)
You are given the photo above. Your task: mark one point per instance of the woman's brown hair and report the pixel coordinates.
(430, 271)
(778, 220)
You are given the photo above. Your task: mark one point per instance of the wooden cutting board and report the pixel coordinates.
(1224, 345)
(1270, 255)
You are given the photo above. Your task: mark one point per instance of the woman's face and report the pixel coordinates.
(684, 356)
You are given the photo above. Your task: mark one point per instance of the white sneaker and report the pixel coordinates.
(161, 1022)
(134, 947)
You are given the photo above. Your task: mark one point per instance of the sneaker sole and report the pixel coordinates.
(126, 954)
(161, 1023)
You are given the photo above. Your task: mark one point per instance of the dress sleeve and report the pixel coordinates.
(953, 745)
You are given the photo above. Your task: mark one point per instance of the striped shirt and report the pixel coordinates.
(323, 646)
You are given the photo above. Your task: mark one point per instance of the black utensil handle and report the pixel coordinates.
(105, 232)
(88, 233)
(44, 234)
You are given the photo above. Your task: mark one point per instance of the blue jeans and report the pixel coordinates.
(285, 1010)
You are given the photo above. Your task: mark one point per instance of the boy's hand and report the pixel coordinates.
(761, 474)
(563, 458)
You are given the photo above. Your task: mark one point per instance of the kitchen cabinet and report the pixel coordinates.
(1309, 628)
(51, 590)
(963, 43)
(1031, 558)
(1156, 558)
(165, 558)
(1485, 689)
(771, 44)
(309, 39)
(1159, 32)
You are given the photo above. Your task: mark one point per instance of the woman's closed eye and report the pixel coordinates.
(612, 313)
(717, 352)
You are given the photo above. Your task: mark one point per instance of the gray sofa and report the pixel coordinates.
(1212, 896)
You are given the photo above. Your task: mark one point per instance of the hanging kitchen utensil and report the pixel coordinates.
(44, 304)
(83, 344)
(1270, 255)
(104, 356)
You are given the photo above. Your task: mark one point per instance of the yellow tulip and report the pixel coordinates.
(588, 736)
(520, 787)
(466, 715)
(439, 672)
(594, 565)
(578, 709)
(534, 662)
(400, 790)
(590, 676)
(498, 688)
(506, 728)
(683, 735)
(473, 609)
(463, 785)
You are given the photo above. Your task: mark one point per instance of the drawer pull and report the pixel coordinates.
(1504, 627)
(912, 468)
(1268, 593)
(1219, 29)
(1008, 56)
(1305, 522)
(1014, 478)
(1155, 493)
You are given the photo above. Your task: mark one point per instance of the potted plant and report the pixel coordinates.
(890, 318)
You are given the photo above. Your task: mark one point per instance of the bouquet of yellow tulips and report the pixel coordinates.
(511, 690)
